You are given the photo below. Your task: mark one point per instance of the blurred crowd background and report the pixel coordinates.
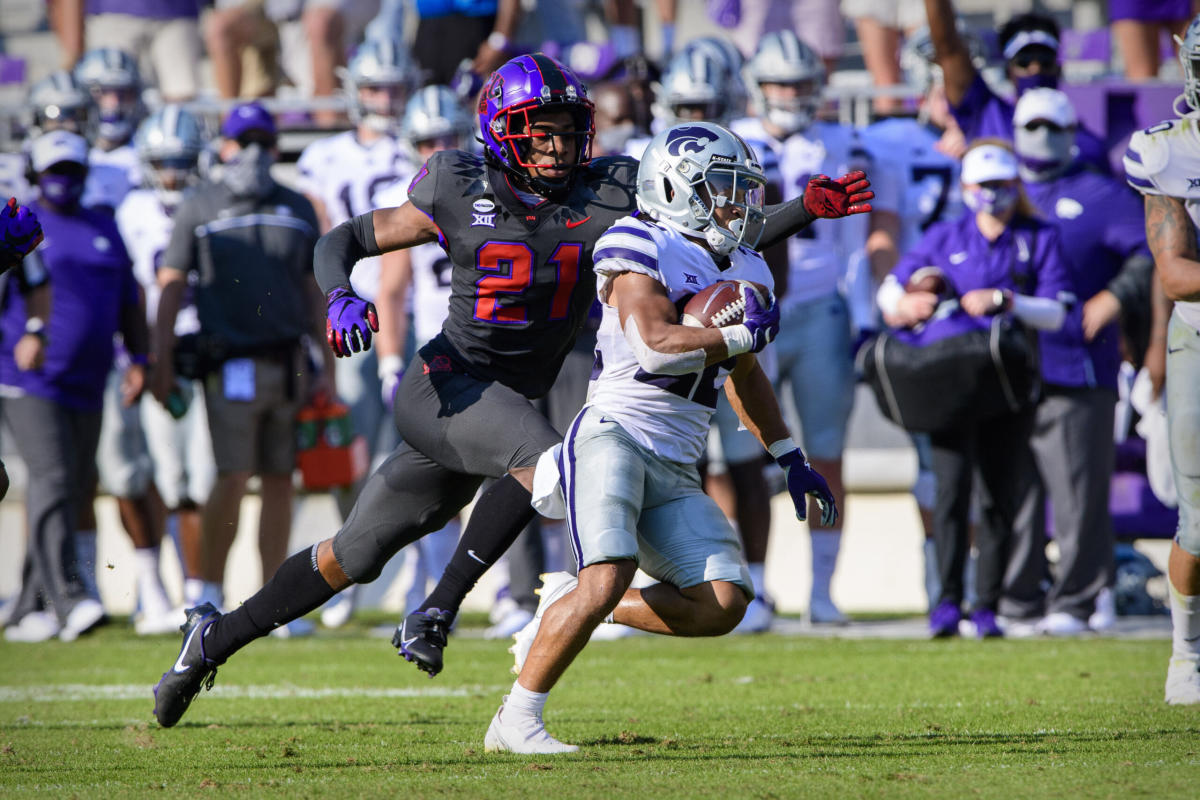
(342, 100)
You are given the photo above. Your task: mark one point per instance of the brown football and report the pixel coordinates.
(721, 304)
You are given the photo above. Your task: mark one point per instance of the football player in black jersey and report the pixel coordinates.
(519, 223)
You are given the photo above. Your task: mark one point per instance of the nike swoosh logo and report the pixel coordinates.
(471, 553)
(1176, 350)
(1194, 638)
(404, 643)
(577, 222)
(179, 665)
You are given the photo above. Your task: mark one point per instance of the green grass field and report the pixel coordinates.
(766, 716)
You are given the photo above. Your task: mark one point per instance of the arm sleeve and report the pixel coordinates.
(1043, 313)
(181, 249)
(339, 250)
(1053, 277)
(969, 113)
(1131, 286)
(784, 220)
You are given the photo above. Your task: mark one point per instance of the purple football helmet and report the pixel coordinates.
(530, 83)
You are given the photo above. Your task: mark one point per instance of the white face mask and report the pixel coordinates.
(1043, 152)
(987, 200)
(790, 120)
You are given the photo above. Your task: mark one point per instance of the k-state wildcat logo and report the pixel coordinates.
(689, 140)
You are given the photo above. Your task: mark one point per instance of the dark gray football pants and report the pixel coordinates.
(1073, 445)
(58, 445)
(457, 430)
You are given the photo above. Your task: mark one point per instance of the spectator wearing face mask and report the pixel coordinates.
(52, 372)
(1109, 266)
(1029, 43)
(1000, 258)
(249, 242)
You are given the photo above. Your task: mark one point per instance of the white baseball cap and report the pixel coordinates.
(1051, 105)
(989, 162)
(58, 146)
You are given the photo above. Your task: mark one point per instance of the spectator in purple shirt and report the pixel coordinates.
(1109, 269)
(1029, 43)
(53, 382)
(1001, 258)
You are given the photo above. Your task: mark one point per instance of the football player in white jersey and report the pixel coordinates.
(918, 185)
(169, 142)
(342, 175)
(813, 352)
(419, 278)
(110, 77)
(629, 485)
(1161, 163)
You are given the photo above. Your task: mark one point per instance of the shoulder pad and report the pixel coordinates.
(1150, 149)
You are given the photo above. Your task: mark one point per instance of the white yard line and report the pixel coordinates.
(80, 691)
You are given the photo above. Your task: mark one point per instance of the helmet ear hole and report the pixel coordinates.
(668, 190)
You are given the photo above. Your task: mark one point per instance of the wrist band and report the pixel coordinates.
(738, 339)
(498, 41)
(781, 448)
(390, 366)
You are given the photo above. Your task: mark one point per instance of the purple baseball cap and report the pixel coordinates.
(247, 117)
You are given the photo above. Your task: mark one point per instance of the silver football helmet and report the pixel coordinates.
(169, 143)
(435, 113)
(386, 66)
(698, 83)
(56, 102)
(690, 170)
(784, 60)
(110, 76)
(1189, 57)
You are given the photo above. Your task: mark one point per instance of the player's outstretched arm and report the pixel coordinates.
(823, 198)
(753, 400)
(1172, 239)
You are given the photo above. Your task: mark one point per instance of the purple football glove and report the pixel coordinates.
(20, 231)
(763, 323)
(802, 481)
(349, 322)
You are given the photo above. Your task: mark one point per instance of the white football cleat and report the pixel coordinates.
(822, 611)
(1105, 615)
(86, 614)
(525, 735)
(36, 626)
(168, 620)
(1183, 682)
(1060, 623)
(337, 612)
(555, 585)
(509, 624)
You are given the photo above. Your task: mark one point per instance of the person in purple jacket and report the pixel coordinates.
(1002, 258)
(1109, 268)
(1029, 43)
(53, 383)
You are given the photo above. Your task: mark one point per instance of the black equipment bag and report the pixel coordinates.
(955, 381)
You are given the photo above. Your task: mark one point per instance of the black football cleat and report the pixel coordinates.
(422, 638)
(192, 670)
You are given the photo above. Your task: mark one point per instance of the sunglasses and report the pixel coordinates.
(1038, 124)
(1029, 56)
(256, 137)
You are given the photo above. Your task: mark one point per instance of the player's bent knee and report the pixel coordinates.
(722, 606)
(602, 585)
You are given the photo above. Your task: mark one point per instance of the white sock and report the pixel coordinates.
(193, 590)
(85, 556)
(757, 571)
(825, 546)
(1185, 625)
(150, 589)
(524, 702)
